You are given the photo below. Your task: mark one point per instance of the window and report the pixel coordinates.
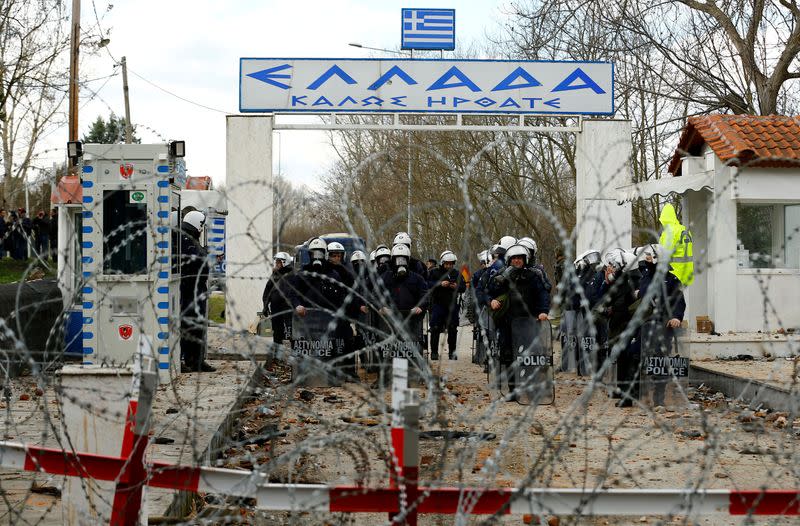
(768, 235)
(124, 227)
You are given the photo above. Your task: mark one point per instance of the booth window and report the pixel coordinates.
(125, 228)
(768, 235)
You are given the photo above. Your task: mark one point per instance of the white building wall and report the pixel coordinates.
(768, 300)
(602, 164)
(695, 209)
(721, 220)
(249, 226)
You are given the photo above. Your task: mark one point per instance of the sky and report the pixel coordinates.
(177, 49)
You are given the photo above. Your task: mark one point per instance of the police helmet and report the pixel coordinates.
(498, 250)
(446, 257)
(357, 255)
(530, 244)
(372, 257)
(382, 254)
(516, 251)
(335, 246)
(195, 218)
(507, 241)
(317, 249)
(402, 238)
(283, 256)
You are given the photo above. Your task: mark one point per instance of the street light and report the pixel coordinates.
(361, 46)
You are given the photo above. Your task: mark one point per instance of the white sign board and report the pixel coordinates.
(287, 85)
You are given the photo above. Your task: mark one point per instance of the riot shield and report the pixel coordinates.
(314, 343)
(591, 337)
(568, 333)
(664, 373)
(400, 342)
(532, 342)
(485, 337)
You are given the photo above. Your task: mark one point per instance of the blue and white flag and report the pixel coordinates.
(429, 29)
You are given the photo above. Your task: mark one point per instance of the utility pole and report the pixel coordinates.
(408, 226)
(73, 70)
(128, 127)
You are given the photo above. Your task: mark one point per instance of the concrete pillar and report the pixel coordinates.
(721, 221)
(248, 185)
(695, 217)
(602, 163)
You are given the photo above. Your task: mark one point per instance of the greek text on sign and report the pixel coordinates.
(425, 86)
(667, 366)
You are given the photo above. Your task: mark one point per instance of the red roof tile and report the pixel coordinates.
(752, 140)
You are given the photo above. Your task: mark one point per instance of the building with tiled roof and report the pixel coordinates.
(738, 179)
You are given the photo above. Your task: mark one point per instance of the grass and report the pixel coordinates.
(12, 270)
(216, 308)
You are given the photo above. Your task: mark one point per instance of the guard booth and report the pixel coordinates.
(130, 290)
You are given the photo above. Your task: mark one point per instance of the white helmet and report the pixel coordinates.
(335, 246)
(497, 250)
(482, 256)
(371, 256)
(195, 218)
(617, 259)
(650, 250)
(401, 257)
(318, 250)
(516, 250)
(357, 255)
(402, 238)
(447, 256)
(283, 256)
(530, 244)
(382, 254)
(507, 241)
(589, 258)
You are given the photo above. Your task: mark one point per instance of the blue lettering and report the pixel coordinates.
(322, 101)
(532, 100)
(441, 83)
(386, 77)
(519, 73)
(509, 103)
(348, 99)
(369, 101)
(554, 103)
(442, 101)
(578, 74)
(298, 100)
(396, 101)
(333, 70)
(458, 100)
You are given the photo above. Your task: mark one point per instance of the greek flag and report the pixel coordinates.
(429, 29)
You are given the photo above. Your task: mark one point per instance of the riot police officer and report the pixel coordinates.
(445, 284)
(402, 238)
(617, 296)
(276, 298)
(194, 294)
(405, 289)
(518, 292)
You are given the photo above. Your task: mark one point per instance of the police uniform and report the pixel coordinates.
(444, 308)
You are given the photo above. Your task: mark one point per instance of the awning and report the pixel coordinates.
(665, 186)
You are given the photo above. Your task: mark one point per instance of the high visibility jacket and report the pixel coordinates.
(677, 240)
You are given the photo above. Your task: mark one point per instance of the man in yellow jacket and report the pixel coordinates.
(677, 241)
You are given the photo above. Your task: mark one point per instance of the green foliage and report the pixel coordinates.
(13, 271)
(111, 131)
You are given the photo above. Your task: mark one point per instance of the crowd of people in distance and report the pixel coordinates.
(18, 233)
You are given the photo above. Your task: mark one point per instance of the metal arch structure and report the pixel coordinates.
(602, 162)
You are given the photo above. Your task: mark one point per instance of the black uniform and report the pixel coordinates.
(525, 295)
(277, 305)
(616, 308)
(404, 291)
(444, 308)
(194, 298)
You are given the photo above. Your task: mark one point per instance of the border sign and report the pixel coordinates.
(299, 85)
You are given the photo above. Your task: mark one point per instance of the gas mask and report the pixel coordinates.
(317, 257)
(401, 263)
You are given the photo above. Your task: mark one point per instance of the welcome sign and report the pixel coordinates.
(294, 85)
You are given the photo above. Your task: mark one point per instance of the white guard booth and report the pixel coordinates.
(130, 282)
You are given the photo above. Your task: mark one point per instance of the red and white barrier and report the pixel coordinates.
(404, 499)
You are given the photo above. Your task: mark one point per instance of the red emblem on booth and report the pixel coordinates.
(126, 170)
(125, 332)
